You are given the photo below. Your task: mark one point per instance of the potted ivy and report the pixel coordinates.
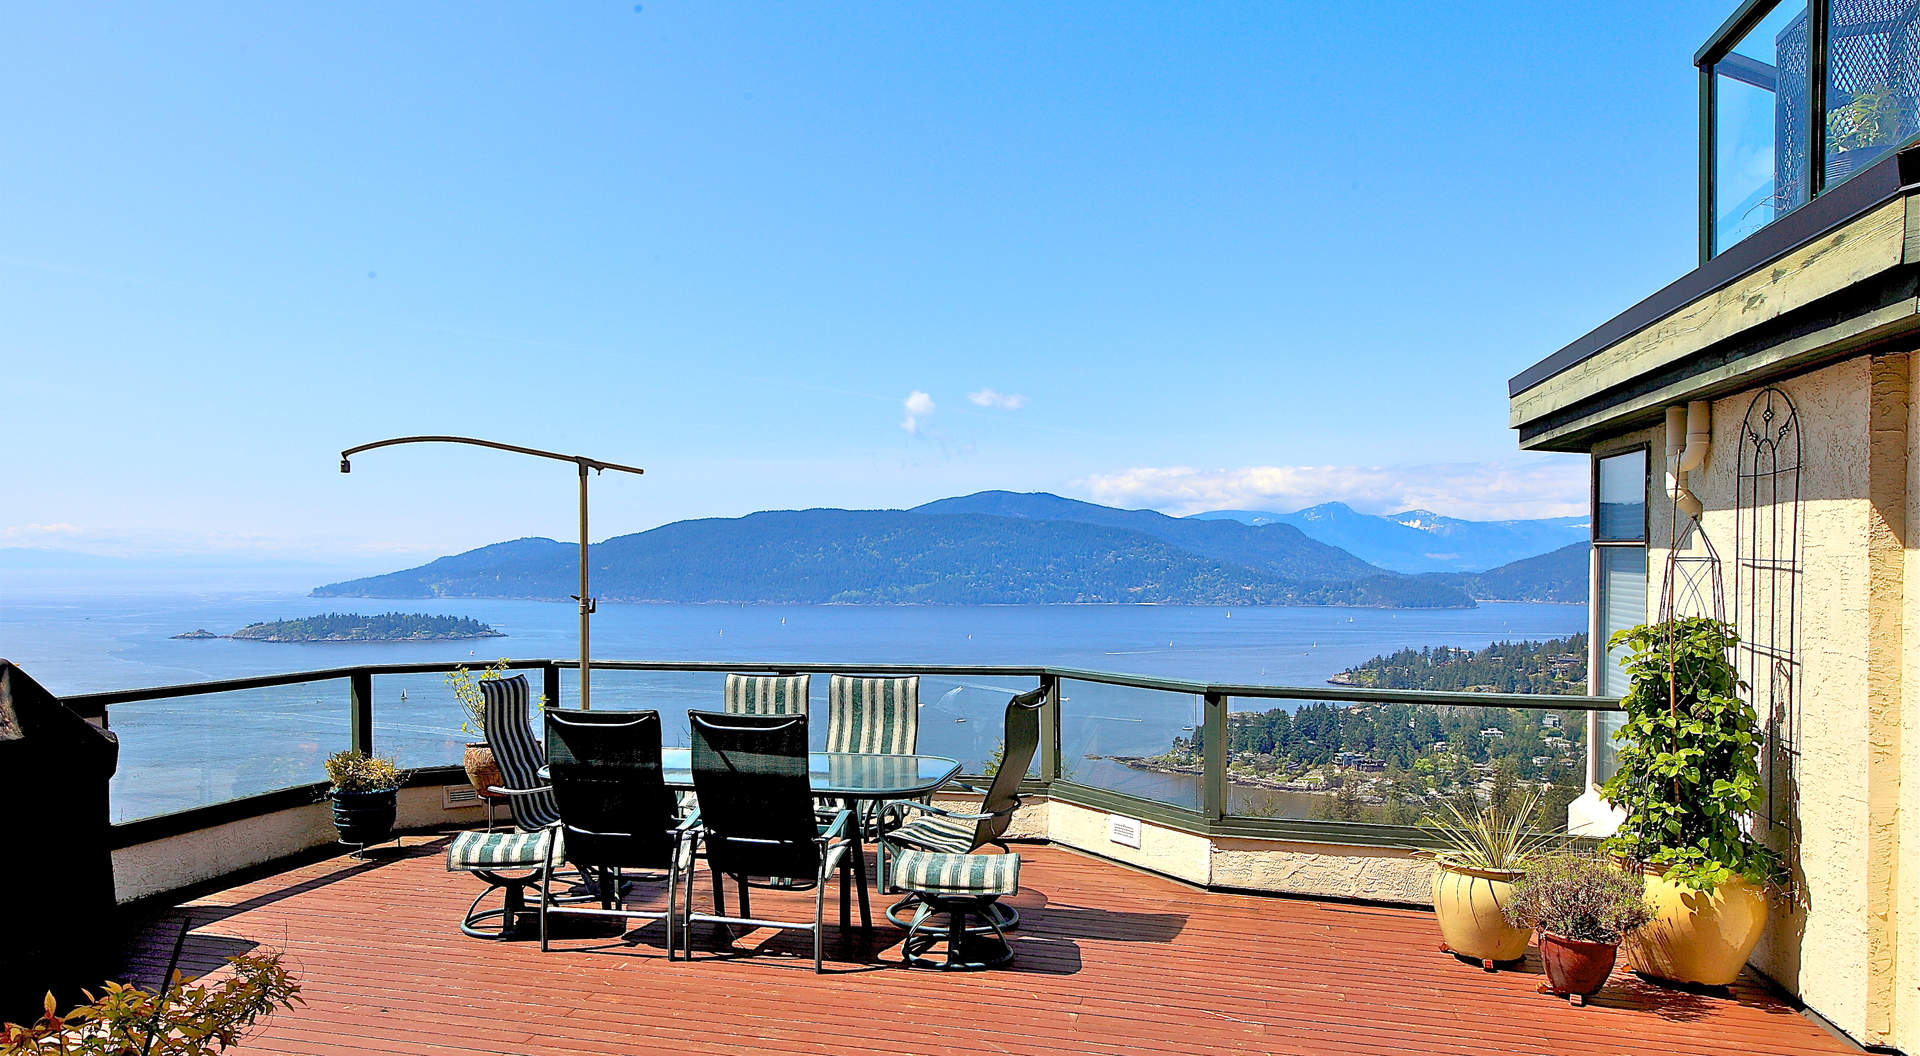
(1485, 852)
(1861, 130)
(1689, 774)
(483, 772)
(365, 795)
(1582, 908)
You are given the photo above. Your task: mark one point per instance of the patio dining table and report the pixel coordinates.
(851, 776)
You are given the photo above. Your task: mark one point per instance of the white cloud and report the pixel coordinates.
(37, 533)
(1006, 401)
(919, 407)
(1546, 486)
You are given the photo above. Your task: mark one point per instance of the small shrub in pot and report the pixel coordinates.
(1583, 908)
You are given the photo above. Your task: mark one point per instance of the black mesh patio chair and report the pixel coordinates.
(617, 814)
(910, 825)
(758, 824)
(509, 862)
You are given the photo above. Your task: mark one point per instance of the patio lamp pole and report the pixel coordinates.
(584, 463)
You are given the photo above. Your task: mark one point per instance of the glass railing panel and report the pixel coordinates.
(184, 752)
(1761, 127)
(964, 717)
(418, 721)
(1140, 742)
(671, 693)
(1390, 764)
(1873, 82)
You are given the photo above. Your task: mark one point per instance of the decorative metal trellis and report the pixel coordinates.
(1767, 583)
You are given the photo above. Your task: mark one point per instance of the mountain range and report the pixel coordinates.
(1421, 540)
(989, 548)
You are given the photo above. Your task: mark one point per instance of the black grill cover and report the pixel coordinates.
(56, 877)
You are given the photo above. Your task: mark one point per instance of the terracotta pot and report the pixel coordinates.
(482, 772)
(1701, 938)
(1575, 968)
(1467, 903)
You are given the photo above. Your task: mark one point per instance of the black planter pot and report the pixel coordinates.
(364, 818)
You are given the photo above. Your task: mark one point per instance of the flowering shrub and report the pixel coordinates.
(352, 771)
(1578, 896)
(180, 1020)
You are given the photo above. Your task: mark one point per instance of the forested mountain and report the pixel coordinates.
(907, 557)
(1560, 576)
(1419, 540)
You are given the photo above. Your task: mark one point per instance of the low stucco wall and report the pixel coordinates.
(161, 866)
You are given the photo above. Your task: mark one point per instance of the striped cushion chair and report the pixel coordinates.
(879, 716)
(958, 887)
(907, 826)
(510, 862)
(767, 694)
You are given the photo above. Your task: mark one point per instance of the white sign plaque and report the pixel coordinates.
(1123, 831)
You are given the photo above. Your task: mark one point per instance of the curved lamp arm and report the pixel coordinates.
(585, 463)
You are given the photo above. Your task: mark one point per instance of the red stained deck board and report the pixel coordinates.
(1109, 961)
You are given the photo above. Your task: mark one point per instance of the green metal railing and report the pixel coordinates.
(1057, 776)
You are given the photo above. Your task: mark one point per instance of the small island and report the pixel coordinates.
(195, 635)
(353, 627)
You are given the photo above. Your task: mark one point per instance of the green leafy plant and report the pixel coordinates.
(1689, 758)
(1871, 118)
(466, 689)
(1490, 837)
(1578, 896)
(178, 1020)
(354, 771)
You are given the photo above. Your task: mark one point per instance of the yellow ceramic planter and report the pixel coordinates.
(1467, 902)
(1697, 937)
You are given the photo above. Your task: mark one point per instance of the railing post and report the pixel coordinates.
(1050, 730)
(550, 683)
(1213, 792)
(360, 711)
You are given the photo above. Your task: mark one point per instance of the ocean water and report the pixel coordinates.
(186, 751)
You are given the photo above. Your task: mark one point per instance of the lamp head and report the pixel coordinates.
(346, 466)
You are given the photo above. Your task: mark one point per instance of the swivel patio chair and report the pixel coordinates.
(758, 825)
(509, 862)
(767, 694)
(616, 812)
(907, 825)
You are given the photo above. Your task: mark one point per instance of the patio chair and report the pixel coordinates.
(875, 716)
(757, 822)
(907, 825)
(616, 812)
(509, 862)
(767, 694)
(879, 716)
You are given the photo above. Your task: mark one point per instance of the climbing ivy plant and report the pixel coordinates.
(1689, 758)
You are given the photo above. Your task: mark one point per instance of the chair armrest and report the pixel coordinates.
(837, 828)
(901, 806)
(691, 823)
(502, 790)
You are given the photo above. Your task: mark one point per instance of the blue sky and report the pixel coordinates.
(1223, 255)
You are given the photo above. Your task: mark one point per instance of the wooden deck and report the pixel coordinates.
(1110, 960)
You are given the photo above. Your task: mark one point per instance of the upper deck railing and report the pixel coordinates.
(1331, 764)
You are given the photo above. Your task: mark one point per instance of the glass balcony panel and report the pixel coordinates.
(1140, 742)
(1760, 126)
(417, 720)
(186, 752)
(1391, 764)
(1873, 81)
(961, 716)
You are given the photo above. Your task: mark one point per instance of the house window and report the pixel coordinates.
(1620, 582)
